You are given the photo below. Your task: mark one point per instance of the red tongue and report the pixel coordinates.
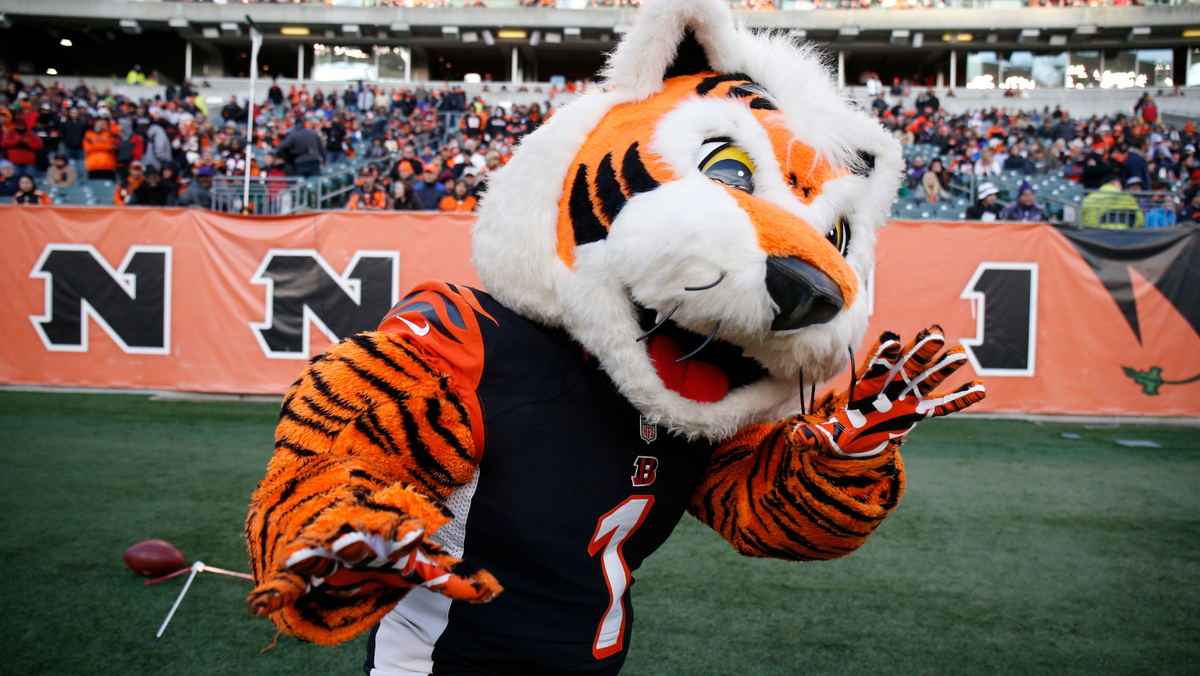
(693, 379)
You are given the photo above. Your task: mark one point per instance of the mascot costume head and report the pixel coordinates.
(719, 189)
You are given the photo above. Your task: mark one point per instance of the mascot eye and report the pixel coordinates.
(722, 161)
(839, 236)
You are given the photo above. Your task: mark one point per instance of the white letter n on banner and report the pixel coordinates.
(302, 290)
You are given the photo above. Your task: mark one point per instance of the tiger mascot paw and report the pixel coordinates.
(356, 562)
(892, 391)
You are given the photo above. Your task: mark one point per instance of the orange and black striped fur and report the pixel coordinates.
(379, 431)
(371, 437)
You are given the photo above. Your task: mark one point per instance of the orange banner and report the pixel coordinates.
(198, 301)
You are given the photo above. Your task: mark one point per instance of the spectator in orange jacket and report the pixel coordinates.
(22, 146)
(126, 187)
(460, 200)
(100, 151)
(29, 194)
(368, 196)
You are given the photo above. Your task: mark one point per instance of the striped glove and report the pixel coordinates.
(893, 393)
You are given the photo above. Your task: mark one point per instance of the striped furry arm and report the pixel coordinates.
(776, 494)
(371, 439)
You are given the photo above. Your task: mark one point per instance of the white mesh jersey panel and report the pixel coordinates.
(453, 535)
(406, 636)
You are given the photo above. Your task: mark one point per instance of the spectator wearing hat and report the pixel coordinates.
(153, 192)
(429, 189)
(199, 191)
(985, 207)
(1096, 167)
(60, 174)
(1110, 208)
(1024, 208)
(21, 146)
(368, 196)
(9, 185)
(459, 200)
(127, 185)
(28, 193)
(100, 151)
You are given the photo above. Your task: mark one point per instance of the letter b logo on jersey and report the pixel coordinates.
(645, 470)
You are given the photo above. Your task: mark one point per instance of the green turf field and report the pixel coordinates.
(1014, 551)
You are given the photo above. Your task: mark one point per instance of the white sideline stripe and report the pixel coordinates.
(407, 635)
(155, 395)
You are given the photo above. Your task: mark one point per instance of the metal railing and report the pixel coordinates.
(1117, 210)
(269, 196)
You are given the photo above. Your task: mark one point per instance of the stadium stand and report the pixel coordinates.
(417, 79)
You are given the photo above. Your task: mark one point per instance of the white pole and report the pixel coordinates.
(513, 79)
(196, 568)
(300, 62)
(953, 68)
(187, 61)
(841, 70)
(408, 64)
(255, 43)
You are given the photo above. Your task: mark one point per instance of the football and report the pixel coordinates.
(154, 558)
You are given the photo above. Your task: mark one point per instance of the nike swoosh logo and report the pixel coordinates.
(419, 330)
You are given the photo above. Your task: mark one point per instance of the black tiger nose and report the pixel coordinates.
(804, 294)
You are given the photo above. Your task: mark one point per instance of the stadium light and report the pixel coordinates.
(535, 38)
(1029, 36)
(130, 27)
(847, 33)
(178, 22)
(1138, 33)
(5, 22)
(572, 34)
(1192, 33)
(553, 38)
(488, 38)
(470, 36)
(918, 40)
(211, 33)
(65, 42)
(232, 27)
(450, 32)
(512, 35)
(51, 71)
(401, 29)
(294, 30)
(899, 36)
(350, 29)
(1058, 40)
(797, 34)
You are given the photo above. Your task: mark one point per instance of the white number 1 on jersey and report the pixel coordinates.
(611, 532)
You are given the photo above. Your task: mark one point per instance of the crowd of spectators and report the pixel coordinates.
(432, 149)
(1132, 164)
(167, 151)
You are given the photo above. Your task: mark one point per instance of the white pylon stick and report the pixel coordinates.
(196, 568)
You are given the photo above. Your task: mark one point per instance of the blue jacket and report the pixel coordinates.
(1135, 165)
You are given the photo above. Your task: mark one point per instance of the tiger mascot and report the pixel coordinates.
(672, 264)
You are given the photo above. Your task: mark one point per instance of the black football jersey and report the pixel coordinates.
(572, 492)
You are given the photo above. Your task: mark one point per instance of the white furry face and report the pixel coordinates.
(685, 226)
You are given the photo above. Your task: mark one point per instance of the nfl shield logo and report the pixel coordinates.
(649, 430)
